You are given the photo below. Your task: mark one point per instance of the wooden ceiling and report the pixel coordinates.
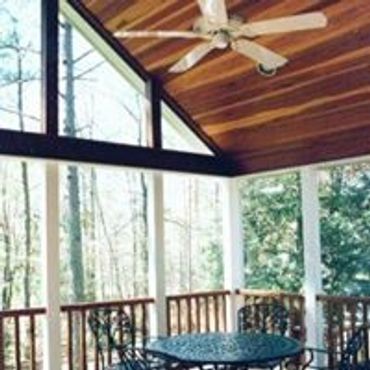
(316, 108)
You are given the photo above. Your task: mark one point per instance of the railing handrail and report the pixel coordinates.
(148, 300)
(213, 293)
(268, 293)
(101, 304)
(341, 298)
(23, 312)
(76, 307)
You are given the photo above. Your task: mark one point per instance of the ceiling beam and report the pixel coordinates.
(31, 145)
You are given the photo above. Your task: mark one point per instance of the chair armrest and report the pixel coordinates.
(312, 351)
(323, 350)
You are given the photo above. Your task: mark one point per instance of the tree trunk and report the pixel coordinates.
(94, 255)
(144, 215)
(25, 189)
(8, 272)
(74, 219)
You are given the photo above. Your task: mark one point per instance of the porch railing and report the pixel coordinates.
(21, 334)
(197, 312)
(342, 315)
(20, 342)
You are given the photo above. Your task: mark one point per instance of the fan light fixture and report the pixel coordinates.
(219, 31)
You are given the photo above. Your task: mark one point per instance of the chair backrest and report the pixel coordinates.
(352, 350)
(112, 330)
(263, 318)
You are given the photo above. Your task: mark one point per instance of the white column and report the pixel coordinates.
(233, 255)
(157, 287)
(51, 282)
(312, 254)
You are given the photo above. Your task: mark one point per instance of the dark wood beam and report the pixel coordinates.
(49, 68)
(79, 150)
(154, 97)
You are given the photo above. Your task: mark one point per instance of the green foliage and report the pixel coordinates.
(345, 231)
(272, 232)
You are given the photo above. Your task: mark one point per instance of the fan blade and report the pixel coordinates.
(193, 57)
(259, 53)
(214, 11)
(286, 24)
(162, 34)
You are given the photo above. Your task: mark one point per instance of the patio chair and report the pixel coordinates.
(351, 358)
(115, 335)
(263, 318)
(271, 318)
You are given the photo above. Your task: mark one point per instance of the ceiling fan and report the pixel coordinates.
(219, 31)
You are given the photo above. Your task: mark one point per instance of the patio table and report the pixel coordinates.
(230, 349)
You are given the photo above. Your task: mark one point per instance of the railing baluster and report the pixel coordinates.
(32, 342)
(17, 343)
(224, 319)
(133, 321)
(330, 333)
(197, 302)
(178, 306)
(2, 344)
(341, 328)
(169, 316)
(217, 322)
(70, 339)
(366, 323)
(83, 340)
(207, 313)
(144, 324)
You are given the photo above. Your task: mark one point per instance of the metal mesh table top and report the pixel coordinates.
(225, 348)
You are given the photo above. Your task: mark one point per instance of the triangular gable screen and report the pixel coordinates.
(109, 97)
(101, 98)
(177, 136)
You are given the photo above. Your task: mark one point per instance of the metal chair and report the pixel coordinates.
(350, 357)
(115, 334)
(269, 318)
(263, 318)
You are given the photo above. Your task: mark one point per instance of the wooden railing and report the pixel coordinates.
(79, 344)
(20, 334)
(293, 302)
(197, 312)
(22, 340)
(342, 316)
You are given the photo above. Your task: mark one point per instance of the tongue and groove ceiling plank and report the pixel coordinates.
(300, 116)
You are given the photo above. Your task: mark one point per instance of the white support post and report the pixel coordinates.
(50, 247)
(312, 254)
(233, 255)
(157, 287)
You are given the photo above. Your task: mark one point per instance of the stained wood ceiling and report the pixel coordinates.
(316, 108)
